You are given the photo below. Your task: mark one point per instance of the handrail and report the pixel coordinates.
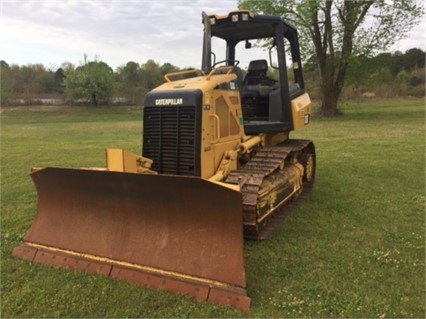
(197, 72)
(215, 70)
(217, 121)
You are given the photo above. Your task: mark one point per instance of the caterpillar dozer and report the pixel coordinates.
(217, 166)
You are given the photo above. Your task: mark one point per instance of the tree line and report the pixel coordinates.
(95, 82)
(385, 75)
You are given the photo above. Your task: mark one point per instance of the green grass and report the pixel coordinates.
(354, 248)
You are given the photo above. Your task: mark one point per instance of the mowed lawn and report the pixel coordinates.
(354, 248)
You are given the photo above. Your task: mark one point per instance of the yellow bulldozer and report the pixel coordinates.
(217, 166)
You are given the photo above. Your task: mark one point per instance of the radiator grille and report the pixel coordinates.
(170, 139)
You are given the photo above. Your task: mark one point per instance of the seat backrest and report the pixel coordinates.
(256, 69)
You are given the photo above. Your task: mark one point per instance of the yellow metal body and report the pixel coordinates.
(222, 117)
(119, 160)
(301, 109)
(222, 137)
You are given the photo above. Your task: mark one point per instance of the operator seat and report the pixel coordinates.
(256, 72)
(255, 91)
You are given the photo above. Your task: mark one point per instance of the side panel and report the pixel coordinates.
(302, 111)
(222, 127)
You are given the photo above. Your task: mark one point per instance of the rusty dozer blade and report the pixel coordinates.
(181, 234)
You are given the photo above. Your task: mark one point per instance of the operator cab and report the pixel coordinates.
(265, 99)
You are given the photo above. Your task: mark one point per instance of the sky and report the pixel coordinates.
(51, 32)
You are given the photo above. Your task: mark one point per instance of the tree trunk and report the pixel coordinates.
(332, 76)
(94, 100)
(327, 60)
(329, 103)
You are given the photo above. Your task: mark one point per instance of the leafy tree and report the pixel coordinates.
(129, 81)
(417, 83)
(67, 67)
(413, 58)
(402, 78)
(168, 68)
(47, 82)
(93, 81)
(5, 83)
(336, 30)
(131, 72)
(27, 79)
(134, 80)
(152, 75)
(59, 78)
